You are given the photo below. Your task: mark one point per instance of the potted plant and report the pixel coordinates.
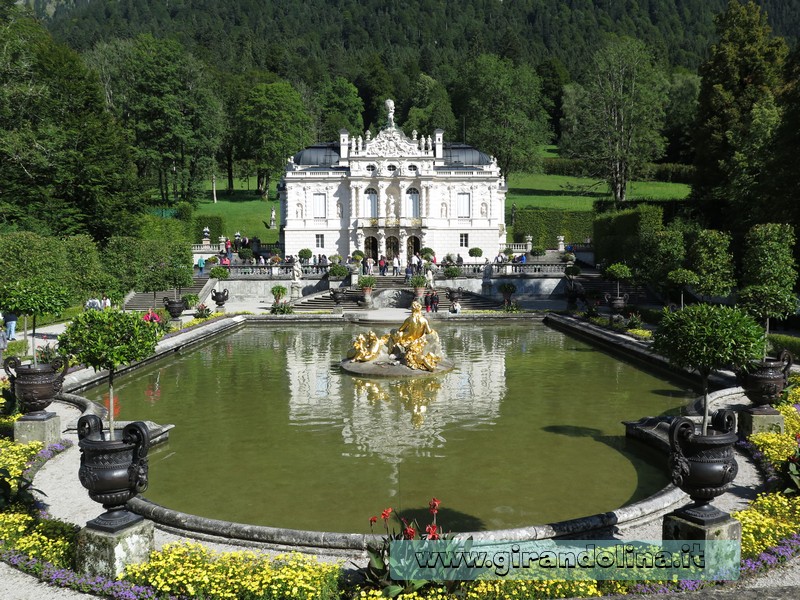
(246, 254)
(35, 384)
(507, 288)
(305, 254)
(681, 279)
(705, 338)
(113, 470)
(337, 272)
(108, 340)
(366, 283)
(335, 259)
(418, 282)
(769, 274)
(617, 272)
(509, 253)
(278, 293)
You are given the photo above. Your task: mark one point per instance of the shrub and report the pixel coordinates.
(418, 281)
(779, 342)
(281, 308)
(278, 292)
(246, 254)
(358, 255)
(305, 254)
(507, 287)
(538, 251)
(366, 281)
(191, 300)
(544, 224)
(508, 252)
(202, 312)
(219, 273)
(475, 252)
(337, 270)
(452, 272)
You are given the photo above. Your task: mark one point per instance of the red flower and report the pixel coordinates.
(434, 505)
(385, 514)
(409, 533)
(372, 521)
(431, 530)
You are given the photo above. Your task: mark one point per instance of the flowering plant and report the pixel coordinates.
(376, 573)
(202, 312)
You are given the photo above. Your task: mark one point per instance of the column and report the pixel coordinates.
(401, 208)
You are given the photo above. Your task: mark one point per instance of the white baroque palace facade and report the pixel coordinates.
(392, 195)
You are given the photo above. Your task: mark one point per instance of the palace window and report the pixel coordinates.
(320, 240)
(412, 203)
(463, 206)
(372, 204)
(463, 240)
(319, 206)
(371, 168)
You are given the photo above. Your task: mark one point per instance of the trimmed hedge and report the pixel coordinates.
(545, 224)
(666, 172)
(616, 234)
(215, 223)
(779, 342)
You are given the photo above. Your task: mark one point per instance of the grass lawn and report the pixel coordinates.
(578, 193)
(243, 211)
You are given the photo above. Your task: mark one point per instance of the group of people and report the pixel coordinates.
(431, 301)
(95, 304)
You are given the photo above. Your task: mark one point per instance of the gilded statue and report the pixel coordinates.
(414, 344)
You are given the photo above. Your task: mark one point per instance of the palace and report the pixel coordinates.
(392, 195)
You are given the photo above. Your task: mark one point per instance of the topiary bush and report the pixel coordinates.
(475, 252)
(219, 273)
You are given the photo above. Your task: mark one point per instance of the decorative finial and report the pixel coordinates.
(390, 110)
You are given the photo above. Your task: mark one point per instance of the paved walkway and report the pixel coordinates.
(67, 500)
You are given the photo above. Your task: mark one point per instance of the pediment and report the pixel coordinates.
(392, 142)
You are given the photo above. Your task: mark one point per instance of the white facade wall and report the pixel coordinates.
(338, 198)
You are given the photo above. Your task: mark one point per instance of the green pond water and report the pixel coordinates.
(525, 430)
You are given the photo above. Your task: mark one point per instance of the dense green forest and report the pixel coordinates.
(109, 109)
(322, 38)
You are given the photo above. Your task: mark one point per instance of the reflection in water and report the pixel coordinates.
(269, 429)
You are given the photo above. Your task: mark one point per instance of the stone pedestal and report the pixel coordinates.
(44, 428)
(219, 309)
(103, 553)
(337, 310)
(297, 290)
(758, 420)
(675, 527)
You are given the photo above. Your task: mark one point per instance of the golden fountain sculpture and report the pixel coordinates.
(413, 345)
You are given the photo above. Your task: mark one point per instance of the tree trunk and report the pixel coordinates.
(214, 186)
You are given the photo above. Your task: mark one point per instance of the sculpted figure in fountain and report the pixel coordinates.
(414, 344)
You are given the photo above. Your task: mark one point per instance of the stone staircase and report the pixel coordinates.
(144, 300)
(354, 298)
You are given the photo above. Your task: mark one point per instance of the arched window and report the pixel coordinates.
(371, 207)
(412, 203)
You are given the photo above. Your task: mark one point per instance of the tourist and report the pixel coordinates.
(409, 272)
(370, 264)
(151, 317)
(395, 266)
(10, 321)
(93, 304)
(427, 302)
(456, 307)
(435, 301)
(459, 260)
(429, 277)
(3, 344)
(382, 265)
(201, 265)
(105, 301)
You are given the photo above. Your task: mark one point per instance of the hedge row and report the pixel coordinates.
(616, 235)
(215, 223)
(574, 167)
(779, 342)
(545, 224)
